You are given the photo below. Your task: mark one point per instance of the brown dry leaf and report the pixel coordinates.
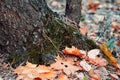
(27, 73)
(65, 65)
(83, 30)
(115, 25)
(98, 61)
(72, 51)
(37, 78)
(62, 77)
(92, 55)
(31, 71)
(118, 42)
(93, 6)
(101, 61)
(114, 76)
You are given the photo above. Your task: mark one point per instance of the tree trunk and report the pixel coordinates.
(29, 29)
(73, 10)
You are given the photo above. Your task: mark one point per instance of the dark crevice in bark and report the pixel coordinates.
(29, 30)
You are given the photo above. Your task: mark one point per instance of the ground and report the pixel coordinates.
(100, 21)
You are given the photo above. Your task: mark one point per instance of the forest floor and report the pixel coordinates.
(101, 23)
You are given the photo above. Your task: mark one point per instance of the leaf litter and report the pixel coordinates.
(71, 67)
(101, 24)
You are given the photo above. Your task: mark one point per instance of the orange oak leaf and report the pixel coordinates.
(30, 71)
(93, 61)
(72, 51)
(48, 75)
(95, 77)
(93, 6)
(108, 53)
(37, 78)
(62, 77)
(113, 60)
(65, 65)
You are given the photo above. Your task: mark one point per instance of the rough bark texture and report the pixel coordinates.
(73, 10)
(21, 22)
(30, 30)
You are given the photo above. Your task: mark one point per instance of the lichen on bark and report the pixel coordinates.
(31, 31)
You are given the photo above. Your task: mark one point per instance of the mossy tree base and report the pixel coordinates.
(55, 36)
(29, 30)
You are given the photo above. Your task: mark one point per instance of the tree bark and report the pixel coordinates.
(73, 10)
(29, 29)
(21, 22)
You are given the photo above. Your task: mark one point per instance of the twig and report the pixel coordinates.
(45, 35)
